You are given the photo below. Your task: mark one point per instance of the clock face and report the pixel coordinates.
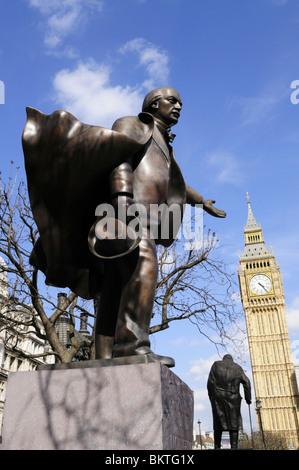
(260, 284)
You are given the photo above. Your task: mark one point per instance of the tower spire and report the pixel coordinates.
(255, 246)
(251, 222)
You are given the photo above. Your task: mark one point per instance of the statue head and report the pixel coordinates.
(164, 104)
(227, 357)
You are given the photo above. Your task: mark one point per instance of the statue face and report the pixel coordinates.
(168, 107)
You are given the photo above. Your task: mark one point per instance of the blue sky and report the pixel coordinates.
(233, 63)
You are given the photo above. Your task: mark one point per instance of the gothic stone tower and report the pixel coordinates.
(269, 343)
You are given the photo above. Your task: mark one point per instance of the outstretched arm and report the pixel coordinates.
(193, 197)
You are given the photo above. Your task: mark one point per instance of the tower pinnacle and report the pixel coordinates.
(251, 222)
(254, 241)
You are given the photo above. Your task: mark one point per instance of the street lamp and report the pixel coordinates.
(199, 423)
(258, 405)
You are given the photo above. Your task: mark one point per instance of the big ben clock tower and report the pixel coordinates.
(263, 301)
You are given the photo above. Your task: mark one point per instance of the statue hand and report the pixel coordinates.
(210, 209)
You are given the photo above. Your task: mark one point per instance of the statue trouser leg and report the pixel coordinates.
(126, 305)
(103, 346)
(217, 439)
(126, 302)
(136, 303)
(233, 435)
(107, 311)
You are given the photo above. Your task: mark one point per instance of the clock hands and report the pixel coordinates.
(262, 286)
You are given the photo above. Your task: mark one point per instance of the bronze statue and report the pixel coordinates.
(224, 392)
(72, 168)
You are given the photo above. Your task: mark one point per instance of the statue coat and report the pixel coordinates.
(224, 392)
(68, 165)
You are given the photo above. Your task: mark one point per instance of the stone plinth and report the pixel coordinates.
(124, 407)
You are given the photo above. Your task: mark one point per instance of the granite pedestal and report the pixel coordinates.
(124, 407)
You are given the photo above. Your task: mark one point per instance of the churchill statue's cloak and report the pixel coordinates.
(68, 165)
(223, 386)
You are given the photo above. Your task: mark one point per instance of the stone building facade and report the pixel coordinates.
(272, 363)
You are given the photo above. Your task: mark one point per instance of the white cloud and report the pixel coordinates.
(64, 17)
(295, 351)
(201, 400)
(236, 296)
(87, 93)
(263, 107)
(292, 314)
(255, 109)
(153, 59)
(200, 368)
(185, 341)
(226, 166)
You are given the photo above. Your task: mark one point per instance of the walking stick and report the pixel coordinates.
(250, 424)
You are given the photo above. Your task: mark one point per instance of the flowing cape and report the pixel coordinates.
(67, 165)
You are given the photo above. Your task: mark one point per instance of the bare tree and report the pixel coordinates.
(195, 285)
(273, 440)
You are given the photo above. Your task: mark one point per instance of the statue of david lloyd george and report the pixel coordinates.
(72, 169)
